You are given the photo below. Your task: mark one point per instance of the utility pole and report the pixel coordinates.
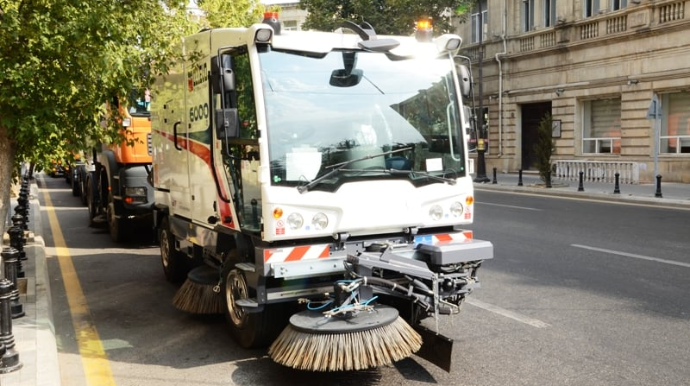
(482, 132)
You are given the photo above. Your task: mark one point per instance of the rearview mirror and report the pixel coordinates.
(344, 78)
(465, 79)
(227, 124)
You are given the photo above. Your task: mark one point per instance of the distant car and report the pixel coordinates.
(56, 169)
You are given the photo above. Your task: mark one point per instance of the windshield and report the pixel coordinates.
(366, 115)
(139, 103)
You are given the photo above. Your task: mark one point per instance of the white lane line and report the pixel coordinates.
(507, 313)
(658, 260)
(510, 206)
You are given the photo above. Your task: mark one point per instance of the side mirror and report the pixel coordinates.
(227, 124)
(465, 81)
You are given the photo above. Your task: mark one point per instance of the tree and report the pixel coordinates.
(388, 17)
(61, 59)
(544, 147)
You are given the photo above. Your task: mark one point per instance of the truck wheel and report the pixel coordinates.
(116, 226)
(173, 261)
(90, 191)
(250, 330)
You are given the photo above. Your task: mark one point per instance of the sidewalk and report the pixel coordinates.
(675, 195)
(34, 333)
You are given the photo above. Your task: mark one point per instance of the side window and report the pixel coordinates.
(245, 96)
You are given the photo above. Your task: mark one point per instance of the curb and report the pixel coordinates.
(604, 197)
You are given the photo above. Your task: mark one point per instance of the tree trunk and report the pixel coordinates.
(7, 153)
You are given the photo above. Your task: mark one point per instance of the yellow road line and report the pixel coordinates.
(93, 356)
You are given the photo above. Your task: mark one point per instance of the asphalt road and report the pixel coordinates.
(579, 293)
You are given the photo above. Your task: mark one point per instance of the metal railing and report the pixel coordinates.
(598, 171)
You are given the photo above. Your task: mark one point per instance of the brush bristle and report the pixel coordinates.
(348, 351)
(198, 298)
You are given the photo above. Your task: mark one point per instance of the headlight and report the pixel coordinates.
(319, 221)
(436, 212)
(456, 209)
(135, 191)
(295, 221)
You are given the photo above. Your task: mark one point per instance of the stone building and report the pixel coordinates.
(595, 66)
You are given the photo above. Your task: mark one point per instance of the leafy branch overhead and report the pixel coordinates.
(387, 17)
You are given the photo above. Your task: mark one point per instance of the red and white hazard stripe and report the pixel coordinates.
(301, 253)
(445, 237)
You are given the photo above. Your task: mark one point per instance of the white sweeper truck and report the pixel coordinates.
(314, 186)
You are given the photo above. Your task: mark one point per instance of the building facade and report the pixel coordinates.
(596, 66)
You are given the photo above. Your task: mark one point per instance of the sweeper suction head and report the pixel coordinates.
(368, 339)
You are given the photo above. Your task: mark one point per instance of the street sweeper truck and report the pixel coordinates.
(114, 182)
(313, 186)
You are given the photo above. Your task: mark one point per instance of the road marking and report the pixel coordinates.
(642, 257)
(510, 206)
(507, 313)
(93, 357)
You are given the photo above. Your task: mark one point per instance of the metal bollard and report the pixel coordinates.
(10, 260)
(548, 179)
(520, 177)
(494, 180)
(10, 357)
(658, 186)
(616, 186)
(581, 186)
(255, 212)
(16, 242)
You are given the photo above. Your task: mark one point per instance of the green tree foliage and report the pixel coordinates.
(544, 146)
(389, 17)
(236, 13)
(60, 60)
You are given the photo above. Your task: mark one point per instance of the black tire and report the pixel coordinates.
(250, 330)
(82, 190)
(117, 226)
(90, 192)
(76, 188)
(174, 262)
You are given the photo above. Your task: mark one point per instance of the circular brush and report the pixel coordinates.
(368, 339)
(197, 294)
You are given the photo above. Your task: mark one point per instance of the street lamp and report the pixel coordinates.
(482, 132)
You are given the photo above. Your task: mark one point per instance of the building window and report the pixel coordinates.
(549, 13)
(619, 4)
(527, 15)
(591, 8)
(601, 131)
(675, 123)
(290, 25)
(480, 20)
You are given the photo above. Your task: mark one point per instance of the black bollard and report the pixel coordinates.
(581, 186)
(616, 186)
(255, 212)
(548, 179)
(520, 177)
(10, 358)
(658, 187)
(494, 181)
(16, 242)
(10, 260)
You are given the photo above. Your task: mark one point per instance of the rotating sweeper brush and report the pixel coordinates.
(354, 335)
(353, 330)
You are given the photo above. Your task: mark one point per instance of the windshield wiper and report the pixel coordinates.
(340, 166)
(404, 172)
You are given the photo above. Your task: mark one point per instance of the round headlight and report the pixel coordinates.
(319, 221)
(456, 209)
(295, 221)
(436, 212)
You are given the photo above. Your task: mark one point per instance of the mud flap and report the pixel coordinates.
(436, 348)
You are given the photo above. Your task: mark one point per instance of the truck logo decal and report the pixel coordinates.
(198, 76)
